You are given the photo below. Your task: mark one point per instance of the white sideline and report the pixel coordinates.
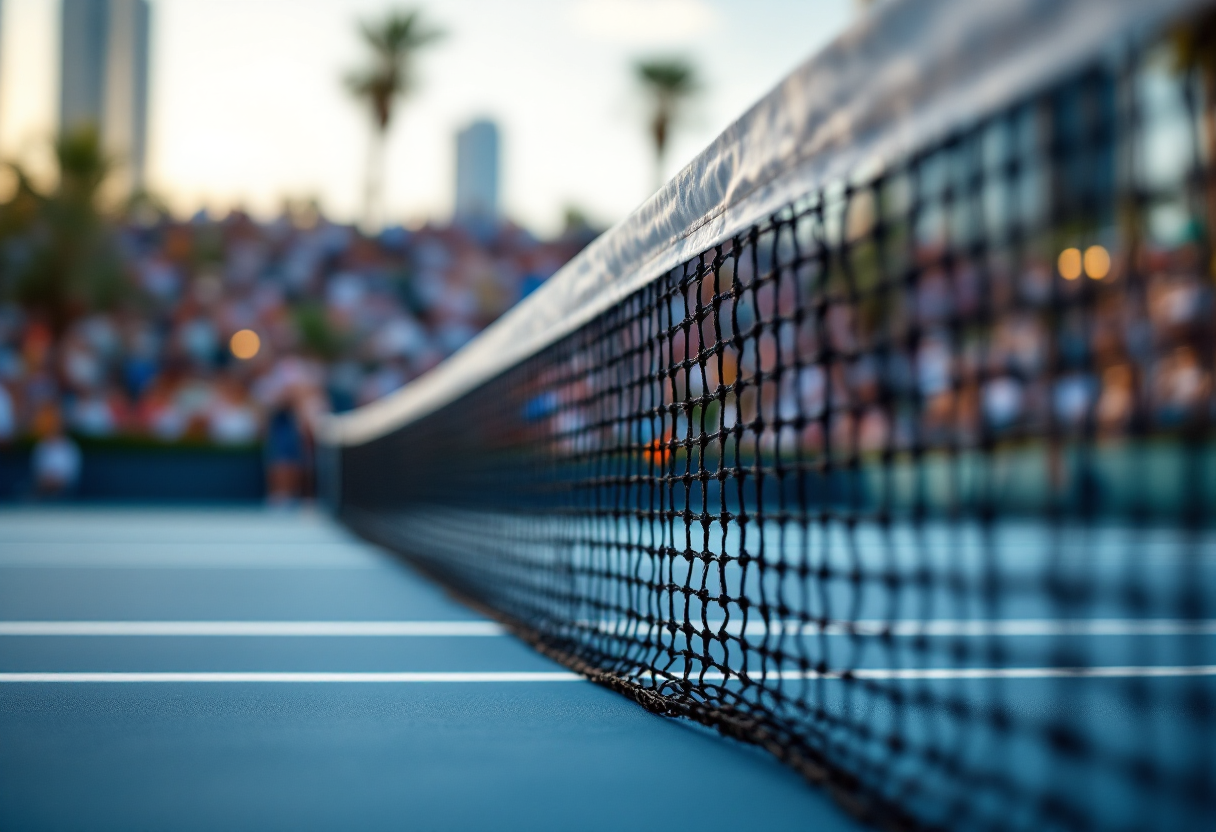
(975, 628)
(870, 674)
(251, 628)
(935, 673)
(933, 628)
(309, 677)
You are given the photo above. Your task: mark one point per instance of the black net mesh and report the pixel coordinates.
(910, 484)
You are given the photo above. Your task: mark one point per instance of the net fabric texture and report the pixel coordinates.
(910, 483)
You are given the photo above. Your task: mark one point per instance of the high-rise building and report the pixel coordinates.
(477, 171)
(104, 79)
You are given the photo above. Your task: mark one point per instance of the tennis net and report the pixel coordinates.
(882, 436)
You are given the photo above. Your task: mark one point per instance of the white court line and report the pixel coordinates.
(893, 674)
(1035, 627)
(932, 628)
(871, 674)
(251, 628)
(963, 628)
(245, 677)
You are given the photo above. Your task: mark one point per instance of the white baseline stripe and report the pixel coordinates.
(243, 677)
(872, 674)
(251, 628)
(888, 674)
(1035, 627)
(1096, 627)
(933, 628)
(961, 628)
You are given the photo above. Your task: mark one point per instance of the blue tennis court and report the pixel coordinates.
(863, 477)
(233, 669)
(210, 669)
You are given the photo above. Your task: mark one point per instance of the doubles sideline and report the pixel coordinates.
(1173, 671)
(970, 628)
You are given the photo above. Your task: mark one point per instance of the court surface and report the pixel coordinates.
(229, 669)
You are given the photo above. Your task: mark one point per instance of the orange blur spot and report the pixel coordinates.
(1097, 262)
(245, 344)
(1069, 263)
(656, 450)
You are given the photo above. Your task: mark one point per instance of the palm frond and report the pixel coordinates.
(673, 77)
(393, 41)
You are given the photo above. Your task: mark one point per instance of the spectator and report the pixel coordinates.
(8, 415)
(284, 456)
(340, 319)
(56, 463)
(231, 419)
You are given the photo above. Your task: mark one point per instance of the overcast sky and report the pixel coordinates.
(248, 108)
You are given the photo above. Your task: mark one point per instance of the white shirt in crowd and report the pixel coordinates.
(56, 463)
(8, 415)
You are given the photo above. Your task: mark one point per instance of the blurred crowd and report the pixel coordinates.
(984, 352)
(235, 332)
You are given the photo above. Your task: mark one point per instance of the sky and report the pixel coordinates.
(248, 109)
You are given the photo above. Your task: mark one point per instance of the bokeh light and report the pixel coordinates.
(1069, 263)
(245, 344)
(1097, 262)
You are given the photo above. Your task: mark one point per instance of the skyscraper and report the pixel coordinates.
(477, 172)
(104, 79)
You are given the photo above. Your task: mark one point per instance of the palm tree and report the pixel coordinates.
(1195, 50)
(670, 83)
(69, 263)
(389, 75)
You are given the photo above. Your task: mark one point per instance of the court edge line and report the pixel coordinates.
(292, 677)
(863, 674)
(963, 628)
(252, 628)
(931, 628)
(962, 673)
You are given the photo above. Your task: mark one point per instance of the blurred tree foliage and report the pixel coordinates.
(317, 334)
(58, 254)
(668, 83)
(393, 43)
(1194, 48)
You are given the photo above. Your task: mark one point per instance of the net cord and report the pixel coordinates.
(910, 74)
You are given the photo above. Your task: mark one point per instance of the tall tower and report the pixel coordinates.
(104, 79)
(477, 172)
